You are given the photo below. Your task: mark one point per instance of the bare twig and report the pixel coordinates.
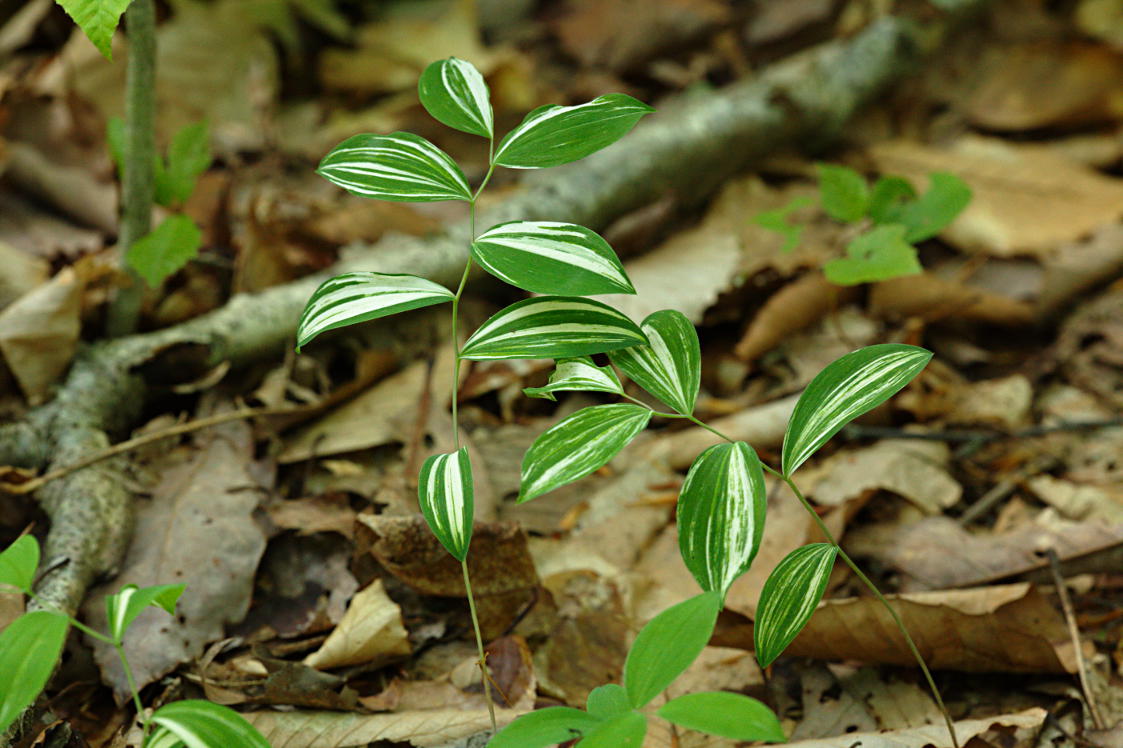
(1074, 633)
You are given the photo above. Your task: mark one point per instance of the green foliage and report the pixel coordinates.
(203, 724)
(945, 199)
(607, 701)
(123, 608)
(29, 648)
(578, 375)
(728, 715)
(790, 595)
(666, 646)
(98, 19)
(879, 255)
(545, 727)
(844, 193)
(455, 93)
(777, 220)
(669, 366)
(401, 167)
(18, 563)
(622, 731)
(444, 490)
(172, 245)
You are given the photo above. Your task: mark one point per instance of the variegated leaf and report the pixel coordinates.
(790, 595)
(401, 167)
(455, 93)
(721, 514)
(578, 374)
(555, 135)
(850, 386)
(358, 297)
(123, 608)
(578, 445)
(550, 257)
(552, 327)
(444, 490)
(670, 365)
(203, 724)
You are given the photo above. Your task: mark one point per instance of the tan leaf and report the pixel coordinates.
(39, 333)
(425, 728)
(936, 735)
(371, 632)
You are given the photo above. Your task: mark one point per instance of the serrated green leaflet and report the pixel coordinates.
(928, 215)
(578, 445)
(552, 327)
(551, 257)
(157, 255)
(358, 297)
(777, 220)
(887, 196)
(18, 563)
(879, 255)
(123, 608)
(189, 155)
(727, 715)
(844, 192)
(201, 724)
(790, 595)
(578, 374)
(666, 646)
(622, 731)
(721, 514)
(850, 386)
(444, 490)
(455, 93)
(401, 167)
(608, 701)
(556, 135)
(29, 648)
(670, 365)
(98, 19)
(545, 727)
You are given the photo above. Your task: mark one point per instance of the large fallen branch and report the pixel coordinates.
(688, 149)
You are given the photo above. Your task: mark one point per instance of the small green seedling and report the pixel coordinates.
(721, 508)
(30, 647)
(892, 217)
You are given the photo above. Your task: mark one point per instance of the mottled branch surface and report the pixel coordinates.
(688, 148)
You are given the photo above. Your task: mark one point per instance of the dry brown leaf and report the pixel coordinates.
(828, 709)
(1024, 724)
(1004, 402)
(70, 189)
(1079, 502)
(427, 728)
(27, 226)
(1027, 199)
(1102, 19)
(934, 298)
(39, 333)
(788, 311)
(895, 704)
(371, 632)
(22, 272)
(327, 513)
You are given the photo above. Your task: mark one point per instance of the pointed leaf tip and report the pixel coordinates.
(445, 492)
(454, 92)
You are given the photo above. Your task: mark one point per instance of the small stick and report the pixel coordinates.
(1074, 632)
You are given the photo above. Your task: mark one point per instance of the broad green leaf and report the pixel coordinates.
(790, 595)
(622, 731)
(188, 156)
(850, 386)
(444, 490)
(358, 297)
(888, 194)
(607, 701)
(162, 737)
(879, 255)
(555, 135)
(670, 365)
(578, 374)
(666, 646)
(552, 327)
(202, 724)
(455, 93)
(721, 514)
(18, 563)
(577, 445)
(123, 608)
(844, 193)
(545, 727)
(401, 167)
(29, 648)
(945, 199)
(727, 715)
(777, 220)
(168, 248)
(550, 257)
(98, 19)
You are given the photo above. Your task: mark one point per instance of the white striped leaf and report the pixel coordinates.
(577, 445)
(29, 649)
(721, 514)
(670, 365)
(123, 608)
(850, 386)
(455, 93)
(202, 724)
(358, 297)
(555, 135)
(578, 374)
(551, 257)
(666, 646)
(444, 490)
(552, 327)
(401, 167)
(790, 595)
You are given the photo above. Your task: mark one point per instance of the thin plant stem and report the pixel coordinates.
(479, 646)
(132, 687)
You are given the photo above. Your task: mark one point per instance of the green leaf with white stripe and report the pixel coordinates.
(790, 595)
(622, 731)
(578, 374)
(721, 514)
(202, 724)
(667, 644)
(555, 135)
(728, 715)
(849, 387)
(29, 648)
(18, 563)
(545, 727)
(123, 608)
(455, 93)
(551, 257)
(359, 297)
(577, 445)
(670, 365)
(444, 491)
(401, 167)
(552, 327)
